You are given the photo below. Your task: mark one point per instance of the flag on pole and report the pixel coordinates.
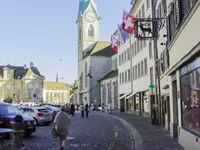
(115, 43)
(128, 23)
(124, 34)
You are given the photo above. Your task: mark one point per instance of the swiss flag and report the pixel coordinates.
(128, 23)
(115, 43)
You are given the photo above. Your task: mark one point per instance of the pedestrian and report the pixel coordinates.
(82, 110)
(72, 109)
(87, 110)
(61, 125)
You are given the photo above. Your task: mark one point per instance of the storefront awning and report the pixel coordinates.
(130, 95)
(123, 96)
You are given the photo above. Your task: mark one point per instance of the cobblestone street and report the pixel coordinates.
(98, 132)
(152, 137)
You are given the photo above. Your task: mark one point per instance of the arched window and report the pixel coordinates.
(86, 74)
(91, 31)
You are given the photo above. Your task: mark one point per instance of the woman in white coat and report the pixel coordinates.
(61, 124)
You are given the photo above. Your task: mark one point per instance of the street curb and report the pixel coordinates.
(136, 136)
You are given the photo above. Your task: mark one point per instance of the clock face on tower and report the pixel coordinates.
(90, 17)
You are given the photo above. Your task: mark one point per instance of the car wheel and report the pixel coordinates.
(36, 121)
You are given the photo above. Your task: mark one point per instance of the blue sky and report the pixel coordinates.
(42, 31)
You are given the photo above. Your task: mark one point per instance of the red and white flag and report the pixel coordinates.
(128, 23)
(115, 43)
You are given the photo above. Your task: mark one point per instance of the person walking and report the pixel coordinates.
(87, 110)
(61, 125)
(72, 109)
(82, 110)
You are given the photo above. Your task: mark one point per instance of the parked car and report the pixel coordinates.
(53, 110)
(40, 114)
(8, 113)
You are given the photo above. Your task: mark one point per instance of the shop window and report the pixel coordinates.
(190, 96)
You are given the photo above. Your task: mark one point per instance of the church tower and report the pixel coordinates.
(88, 25)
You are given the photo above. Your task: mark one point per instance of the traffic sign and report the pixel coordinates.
(34, 95)
(151, 86)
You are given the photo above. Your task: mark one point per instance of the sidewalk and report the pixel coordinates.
(153, 137)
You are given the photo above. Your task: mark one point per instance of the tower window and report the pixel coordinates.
(91, 31)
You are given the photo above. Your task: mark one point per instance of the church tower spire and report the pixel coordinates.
(57, 77)
(88, 25)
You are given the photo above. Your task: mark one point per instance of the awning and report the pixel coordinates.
(130, 95)
(124, 95)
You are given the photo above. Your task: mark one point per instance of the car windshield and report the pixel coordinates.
(9, 110)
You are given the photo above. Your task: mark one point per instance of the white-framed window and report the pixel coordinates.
(125, 76)
(142, 68)
(145, 66)
(129, 75)
(139, 73)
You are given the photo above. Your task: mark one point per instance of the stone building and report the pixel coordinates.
(22, 84)
(109, 86)
(93, 55)
(56, 92)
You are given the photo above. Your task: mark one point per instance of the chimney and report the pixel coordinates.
(24, 66)
(31, 64)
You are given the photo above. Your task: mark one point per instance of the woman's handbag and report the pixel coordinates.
(54, 133)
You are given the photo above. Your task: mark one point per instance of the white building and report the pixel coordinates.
(136, 67)
(184, 82)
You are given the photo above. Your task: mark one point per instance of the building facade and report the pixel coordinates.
(21, 84)
(136, 67)
(183, 46)
(56, 92)
(109, 86)
(93, 55)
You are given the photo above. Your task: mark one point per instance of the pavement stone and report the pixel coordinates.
(153, 137)
(98, 132)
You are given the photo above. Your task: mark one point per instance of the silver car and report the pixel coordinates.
(53, 110)
(40, 114)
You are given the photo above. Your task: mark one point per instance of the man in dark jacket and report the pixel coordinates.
(72, 109)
